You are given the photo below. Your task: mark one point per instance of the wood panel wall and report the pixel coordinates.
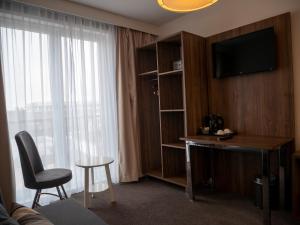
(195, 84)
(255, 104)
(149, 118)
(262, 103)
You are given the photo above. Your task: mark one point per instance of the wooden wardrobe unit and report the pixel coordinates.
(257, 104)
(171, 102)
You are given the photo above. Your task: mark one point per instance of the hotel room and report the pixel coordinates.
(149, 112)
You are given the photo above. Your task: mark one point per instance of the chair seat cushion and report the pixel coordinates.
(52, 178)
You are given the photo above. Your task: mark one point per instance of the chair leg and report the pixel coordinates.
(65, 193)
(36, 198)
(59, 193)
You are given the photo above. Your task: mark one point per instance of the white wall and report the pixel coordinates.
(230, 14)
(93, 13)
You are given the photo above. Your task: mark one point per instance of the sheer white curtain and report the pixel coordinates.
(59, 78)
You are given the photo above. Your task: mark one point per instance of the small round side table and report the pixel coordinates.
(91, 163)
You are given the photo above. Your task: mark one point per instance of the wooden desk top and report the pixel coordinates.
(239, 141)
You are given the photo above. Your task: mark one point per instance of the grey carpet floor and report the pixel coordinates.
(151, 202)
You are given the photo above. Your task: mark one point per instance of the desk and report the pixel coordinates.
(260, 144)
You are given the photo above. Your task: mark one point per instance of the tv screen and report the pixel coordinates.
(250, 53)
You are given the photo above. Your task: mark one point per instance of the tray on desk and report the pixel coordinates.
(200, 132)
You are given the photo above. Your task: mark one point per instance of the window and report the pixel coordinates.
(59, 78)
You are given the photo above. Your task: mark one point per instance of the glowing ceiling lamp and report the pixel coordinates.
(185, 5)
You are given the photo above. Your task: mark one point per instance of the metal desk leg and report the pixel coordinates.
(212, 168)
(282, 164)
(189, 186)
(86, 187)
(266, 187)
(93, 179)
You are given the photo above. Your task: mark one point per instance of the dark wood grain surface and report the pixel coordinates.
(195, 81)
(261, 103)
(149, 121)
(147, 58)
(148, 108)
(259, 143)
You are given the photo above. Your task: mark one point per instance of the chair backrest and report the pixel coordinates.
(29, 156)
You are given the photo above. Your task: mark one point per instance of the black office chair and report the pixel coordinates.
(34, 175)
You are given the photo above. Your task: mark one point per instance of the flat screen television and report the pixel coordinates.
(250, 53)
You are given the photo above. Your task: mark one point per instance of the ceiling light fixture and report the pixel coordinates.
(185, 5)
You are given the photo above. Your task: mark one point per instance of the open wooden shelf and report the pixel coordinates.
(171, 92)
(180, 145)
(168, 108)
(170, 72)
(153, 72)
(148, 102)
(157, 173)
(178, 180)
(174, 163)
(146, 56)
(172, 126)
(168, 51)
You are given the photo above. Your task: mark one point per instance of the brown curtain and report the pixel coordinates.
(129, 155)
(6, 172)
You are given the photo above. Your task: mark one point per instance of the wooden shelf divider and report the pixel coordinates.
(171, 110)
(179, 145)
(170, 72)
(153, 72)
